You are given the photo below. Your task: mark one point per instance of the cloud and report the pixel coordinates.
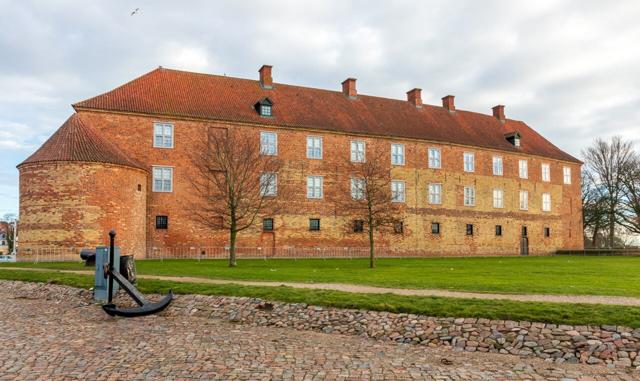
(569, 68)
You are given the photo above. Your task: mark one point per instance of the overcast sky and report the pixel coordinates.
(570, 69)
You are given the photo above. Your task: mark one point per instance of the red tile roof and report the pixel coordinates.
(185, 94)
(76, 141)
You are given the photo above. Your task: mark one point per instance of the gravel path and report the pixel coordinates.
(588, 299)
(52, 332)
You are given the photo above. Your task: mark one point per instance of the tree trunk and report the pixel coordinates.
(594, 239)
(232, 247)
(612, 227)
(372, 260)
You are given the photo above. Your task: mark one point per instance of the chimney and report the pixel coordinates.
(415, 97)
(498, 112)
(349, 88)
(266, 82)
(447, 102)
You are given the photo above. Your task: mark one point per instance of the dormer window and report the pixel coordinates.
(513, 138)
(264, 107)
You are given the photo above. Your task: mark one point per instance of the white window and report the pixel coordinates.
(269, 184)
(546, 202)
(357, 151)
(497, 166)
(314, 186)
(523, 169)
(163, 135)
(162, 179)
(268, 143)
(546, 172)
(397, 154)
(397, 191)
(357, 189)
(469, 196)
(265, 110)
(435, 158)
(435, 193)
(566, 172)
(469, 162)
(314, 147)
(524, 200)
(498, 198)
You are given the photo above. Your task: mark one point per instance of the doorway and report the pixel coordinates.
(524, 242)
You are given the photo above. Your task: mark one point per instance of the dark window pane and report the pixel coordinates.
(469, 229)
(267, 224)
(498, 230)
(398, 227)
(358, 226)
(162, 222)
(524, 231)
(314, 224)
(435, 228)
(547, 232)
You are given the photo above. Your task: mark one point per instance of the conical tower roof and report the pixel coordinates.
(76, 141)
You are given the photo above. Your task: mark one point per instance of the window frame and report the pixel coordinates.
(313, 187)
(264, 220)
(263, 108)
(498, 230)
(313, 228)
(401, 155)
(358, 226)
(439, 193)
(396, 191)
(262, 143)
(500, 191)
(313, 148)
(545, 175)
(163, 135)
(566, 175)
(493, 165)
(162, 168)
(437, 230)
(472, 162)
(469, 230)
(264, 190)
(164, 226)
(546, 202)
(523, 170)
(353, 154)
(437, 159)
(354, 188)
(524, 200)
(546, 232)
(398, 227)
(469, 196)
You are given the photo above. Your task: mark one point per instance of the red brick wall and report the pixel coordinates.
(76, 204)
(134, 133)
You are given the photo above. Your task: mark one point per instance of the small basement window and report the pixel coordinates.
(435, 228)
(547, 232)
(264, 107)
(498, 230)
(358, 226)
(314, 224)
(162, 222)
(398, 227)
(267, 224)
(469, 229)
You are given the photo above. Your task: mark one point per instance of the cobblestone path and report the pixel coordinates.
(45, 336)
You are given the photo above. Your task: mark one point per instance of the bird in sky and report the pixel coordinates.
(135, 11)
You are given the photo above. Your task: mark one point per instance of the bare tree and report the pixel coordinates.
(234, 182)
(606, 163)
(371, 200)
(10, 219)
(631, 203)
(594, 211)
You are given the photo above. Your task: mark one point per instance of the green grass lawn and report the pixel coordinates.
(540, 275)
(578, 314)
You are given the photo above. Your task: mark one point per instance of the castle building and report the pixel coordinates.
(469, 183)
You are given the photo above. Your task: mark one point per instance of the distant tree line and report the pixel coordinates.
(610, 193)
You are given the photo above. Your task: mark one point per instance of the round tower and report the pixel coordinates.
(77, 187)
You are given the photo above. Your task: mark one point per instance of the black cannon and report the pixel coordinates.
(144, 307)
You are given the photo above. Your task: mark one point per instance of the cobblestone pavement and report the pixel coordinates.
(62, 337)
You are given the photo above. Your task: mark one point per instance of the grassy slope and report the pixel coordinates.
(543, 275)
(431, 306)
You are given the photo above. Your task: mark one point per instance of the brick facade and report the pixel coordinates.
(77, 203)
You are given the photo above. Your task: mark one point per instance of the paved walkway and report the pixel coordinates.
(53, 333)
(588, 299)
